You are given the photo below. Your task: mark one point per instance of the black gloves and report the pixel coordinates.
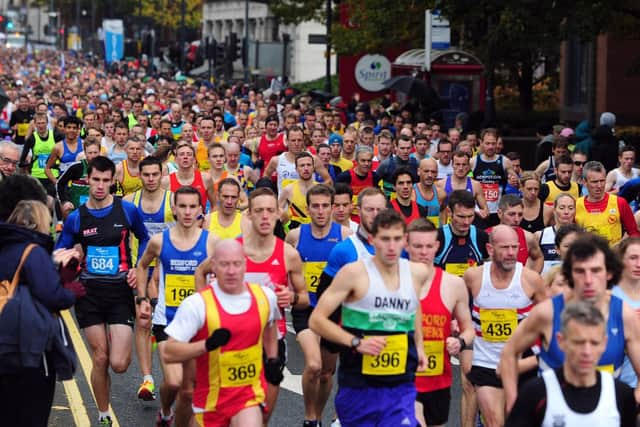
(218, 338)
(273, 371)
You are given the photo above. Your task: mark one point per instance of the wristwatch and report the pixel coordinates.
(140, 299)
(463, 344)
(355, 342)
(296, 298)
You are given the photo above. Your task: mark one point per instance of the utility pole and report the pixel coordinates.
(327, 77)
(245, 42)
(183, 11)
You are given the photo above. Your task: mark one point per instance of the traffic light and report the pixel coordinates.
(9, 24)
(235, 47)
(220, 53)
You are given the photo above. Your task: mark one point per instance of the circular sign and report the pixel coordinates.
(371, 71)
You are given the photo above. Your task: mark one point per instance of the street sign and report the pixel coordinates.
(317, 39)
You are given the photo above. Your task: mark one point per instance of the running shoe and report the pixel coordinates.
(147, 391)
(161, 422)
(105, 421)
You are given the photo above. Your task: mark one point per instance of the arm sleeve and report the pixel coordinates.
(62, 186)
(627, 219)
(26, 148)
(544, 192)
(483, 239)
(530, 405)
(44, 281)
(69, 230)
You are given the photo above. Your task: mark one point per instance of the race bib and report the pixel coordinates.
(392, 360)
(491, 192)
(22, 129)
(42, 160)
(498, 324)
(312, 272)
(457, 269)
(240, 367)
(177, 287)
(434, 352)
(102, 260)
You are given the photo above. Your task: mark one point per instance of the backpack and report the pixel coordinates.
(8, 288)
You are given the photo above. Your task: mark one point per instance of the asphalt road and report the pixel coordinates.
(74, 404)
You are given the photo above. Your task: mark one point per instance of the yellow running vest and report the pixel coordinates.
(232, 231)
(606, 224)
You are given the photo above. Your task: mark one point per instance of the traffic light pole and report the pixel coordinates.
(245, 43)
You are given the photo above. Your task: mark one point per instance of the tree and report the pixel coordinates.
(167, 13)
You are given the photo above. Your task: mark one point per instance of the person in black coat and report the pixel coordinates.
(27, 383)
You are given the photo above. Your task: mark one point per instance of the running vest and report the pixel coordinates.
(431, 206)
(549, 173)
(286, 172)
(613, 356)
(555, 191)
(455, 258)
(155, 222)
(436, 328)
(233, 231)
(298, 210)
(535, 224)
(176, 278)
(130, 183)
(621, 179)
(271, 273)
(606, 223)
(381, 312)
(548, 247)
(357, 185)
(41, 151)
(448, 187)
(197, 183)
(202, 156)
(105, 243)
(116, 157)
(492, 177)
(315, 253)
(69, 157)
(267, 148)
(415, 210)
(627, 373)
(558, 413)
(230, 378)
(79, 188)
(496, 314)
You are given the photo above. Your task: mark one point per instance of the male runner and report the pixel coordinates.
(491, 170)
(188, 175)
(426, 190)
(102, 226)
(590, 267)
(503, 293)
(225, 328)
(443, 297)
(460, 180)
(271, 142)
(403, 203)
(619, 176)
(73, 185)
(561, 183)
(179, 250)
(292, 200)
(546, 170)
(602, 213)
(206, 131)
(154, 205)
(41, 143)
(225, 221)
(343, 206)
(66, 150)
(127, 171)
(577, 393)
(381, 330)
(359, 177)
(314, 242)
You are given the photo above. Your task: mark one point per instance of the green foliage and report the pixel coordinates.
(317, 84)
(167, 13)
(297, 11)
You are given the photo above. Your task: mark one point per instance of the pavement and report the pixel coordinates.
(74, 404)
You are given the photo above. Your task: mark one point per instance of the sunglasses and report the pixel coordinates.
(577, 163)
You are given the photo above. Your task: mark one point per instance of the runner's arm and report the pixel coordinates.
(627, 219)
(632, 341)
(610, 181)
(296, 277)
(322, 171)
(271, 167)
(151, 252)
(536, 258)
(51, 161)
(26, 148)
(480, 200)
(283, 204)
(270, 340)
(200, 274)
(524, 336)
(461, 311)
(69, 230)
(541, 168)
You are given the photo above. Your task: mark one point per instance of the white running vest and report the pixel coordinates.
(559, 414)
(495, 315)
(286, 172)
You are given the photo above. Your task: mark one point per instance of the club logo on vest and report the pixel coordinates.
(90, 231)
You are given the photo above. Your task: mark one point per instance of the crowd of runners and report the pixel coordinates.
(203, 218)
